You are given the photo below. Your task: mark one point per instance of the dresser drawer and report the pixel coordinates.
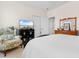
(66, 32)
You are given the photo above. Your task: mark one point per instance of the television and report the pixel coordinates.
(25, 23)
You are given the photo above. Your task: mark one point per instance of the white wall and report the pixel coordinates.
(70, 9)
(10, 13)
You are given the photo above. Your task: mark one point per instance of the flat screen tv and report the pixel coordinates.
(25, 23)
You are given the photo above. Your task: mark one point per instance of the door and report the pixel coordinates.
(51, 25)
(36, 20)
(44, 25)
(40, 25)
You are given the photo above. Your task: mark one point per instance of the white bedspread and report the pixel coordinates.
(53, 46)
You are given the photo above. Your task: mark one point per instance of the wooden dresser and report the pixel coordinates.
(67, 26)
(66, 32)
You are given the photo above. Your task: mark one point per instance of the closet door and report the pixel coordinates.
(44, 25)
(51, 25)
(36, 20)
(40, 25)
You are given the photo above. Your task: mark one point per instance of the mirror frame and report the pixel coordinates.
(69, 18)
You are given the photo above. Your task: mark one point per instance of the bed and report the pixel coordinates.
(53, 46)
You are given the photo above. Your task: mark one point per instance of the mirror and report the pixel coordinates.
(24, 23)
(68, 23)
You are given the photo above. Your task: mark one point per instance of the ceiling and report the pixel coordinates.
(44, 5)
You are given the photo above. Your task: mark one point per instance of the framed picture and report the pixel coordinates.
(66, 26)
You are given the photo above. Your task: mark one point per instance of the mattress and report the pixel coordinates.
(53, 46)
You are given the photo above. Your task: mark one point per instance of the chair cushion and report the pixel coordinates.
(7, 37)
